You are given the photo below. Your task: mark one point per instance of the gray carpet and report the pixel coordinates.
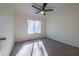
(43, 47)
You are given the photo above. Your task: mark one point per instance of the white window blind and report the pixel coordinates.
(34, 26)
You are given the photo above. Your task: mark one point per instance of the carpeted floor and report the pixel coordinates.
(43, 47)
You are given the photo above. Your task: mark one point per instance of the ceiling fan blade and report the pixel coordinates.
(44, 5)
(38, 12)
(36, 7)
(49, 10)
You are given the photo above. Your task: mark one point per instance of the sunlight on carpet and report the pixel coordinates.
(33, 49)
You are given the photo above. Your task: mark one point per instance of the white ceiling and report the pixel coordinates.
(27, 9)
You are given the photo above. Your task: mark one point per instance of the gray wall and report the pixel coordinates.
(64, 26)
(22, 27)
(6, 29)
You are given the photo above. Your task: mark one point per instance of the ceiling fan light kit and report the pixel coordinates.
(42, 12)
(42, 9)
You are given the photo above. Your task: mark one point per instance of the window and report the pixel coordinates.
(34, 26)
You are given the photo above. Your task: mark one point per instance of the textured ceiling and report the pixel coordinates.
(27, 9)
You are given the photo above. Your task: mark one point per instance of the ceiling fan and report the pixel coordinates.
(41, 9)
